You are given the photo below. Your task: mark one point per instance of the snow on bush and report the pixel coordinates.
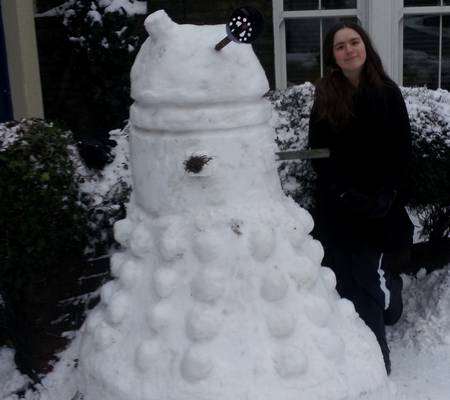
(9, 133)
(99, 40)
(130, 7)
(11, 380)
(97, 24)
(102, 194)
(429, 113)
(41, 218)
(291, 122)
(105, 193)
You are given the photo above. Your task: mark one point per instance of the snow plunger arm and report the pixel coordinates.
(308, 154)
(244, 26)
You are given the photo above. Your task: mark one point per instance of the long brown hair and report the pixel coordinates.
(334, 92)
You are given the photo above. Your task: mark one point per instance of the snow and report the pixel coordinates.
(94, 16)
(419, 342)
(10, 378)
(170, 67)
(219, 291)
(97, 185)
(130, 7)
(62, 9)
(426, 322)
(8, 135)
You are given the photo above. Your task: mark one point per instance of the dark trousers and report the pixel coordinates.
(358, 280)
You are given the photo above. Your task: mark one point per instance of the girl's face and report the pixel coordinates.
(349, 52)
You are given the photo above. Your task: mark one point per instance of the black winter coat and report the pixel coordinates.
(361, 188)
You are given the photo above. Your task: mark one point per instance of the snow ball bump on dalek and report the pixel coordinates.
(244, 27)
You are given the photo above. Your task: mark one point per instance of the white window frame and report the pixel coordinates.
(424, 10)
(279, 23)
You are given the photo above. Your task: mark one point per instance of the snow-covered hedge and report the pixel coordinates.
(429, 113)
(95, 45)
(42, 221)
(101, 24)
(105, 193)
(43, 174)
(291, 121)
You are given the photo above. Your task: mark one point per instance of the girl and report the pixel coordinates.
(360, 115)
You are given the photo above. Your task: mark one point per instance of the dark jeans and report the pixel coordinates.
(358, 280)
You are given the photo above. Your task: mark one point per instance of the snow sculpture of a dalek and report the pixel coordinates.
(218, 293)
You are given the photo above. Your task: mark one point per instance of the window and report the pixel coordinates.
(421, 3)
(304, 60)
(290, 5)
(426, 44)
(421, 51)
(300, 26)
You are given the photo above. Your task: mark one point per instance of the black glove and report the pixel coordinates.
(369, 206)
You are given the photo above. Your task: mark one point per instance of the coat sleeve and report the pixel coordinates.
(317, 139)
(330, 183)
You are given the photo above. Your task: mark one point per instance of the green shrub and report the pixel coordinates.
(430, 169)
(42, 221)
(104, 194)
(293, 107)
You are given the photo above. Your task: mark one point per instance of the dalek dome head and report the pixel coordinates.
(178, 64)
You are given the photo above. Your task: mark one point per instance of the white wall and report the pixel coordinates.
(23, 63)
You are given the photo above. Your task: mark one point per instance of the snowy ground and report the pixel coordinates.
(420, 348)
(420, 342)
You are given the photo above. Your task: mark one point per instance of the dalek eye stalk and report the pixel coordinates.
(245, 25)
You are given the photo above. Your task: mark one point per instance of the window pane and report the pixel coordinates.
(421, 51)
(338, 4)
(290, 5)
(303, 47)
(419, 3)
(445, 82)
(302, 50)
(328, 23)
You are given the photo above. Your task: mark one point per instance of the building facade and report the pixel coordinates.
(5, 91)
(411, 36)
(20, 79)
